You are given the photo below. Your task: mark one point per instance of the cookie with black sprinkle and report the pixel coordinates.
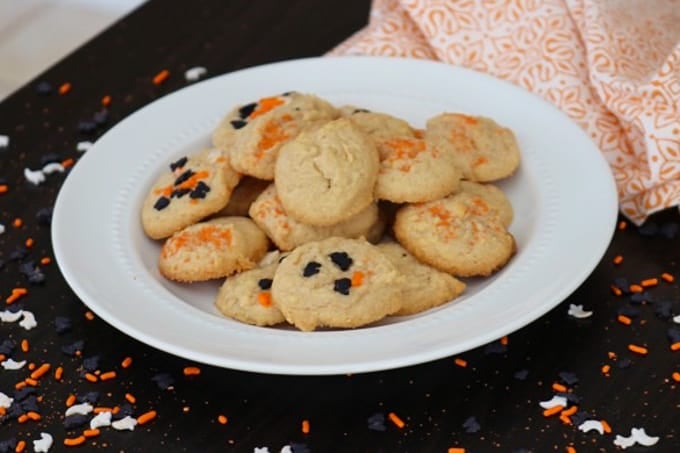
(338, 283)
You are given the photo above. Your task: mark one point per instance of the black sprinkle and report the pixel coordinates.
(360, 111)
(246, 110)
(62, 324)
(179, 193)
(571, 397)
(14, 411)
(376, 422)
(179, 163)
(579, 417)
(23, 393)
(101, 117)
(649, 229)
(43, 88)
(664, 310)
(50, 158)
(70, 349)
(624, 363)
(91, 363)
(124, 410)
(6, 347)
(8, 445)
(495, 348)
(311, 268)
(629, 311)
(471, 425)
(89, 397)
(30, 404)
(75, 421)
(264, 283)
(342, 286)
(298, 447)
(623, 284)
(673, 334)
(161, 203)
(163, 380)
(670, 230)
(18, 254)
(200, 191)
(44, 216)
(32, 272)
(342, 260)
(238, 124)
(568, 378)
(638, 298)
(287, 93)
(87, 126)
(521, 375)
(183, 177)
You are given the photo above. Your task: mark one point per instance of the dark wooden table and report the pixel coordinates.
(492, 404)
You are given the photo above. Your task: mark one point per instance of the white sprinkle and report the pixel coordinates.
(52, 167)
(82, 409)
(195, 73)
(5, 401)
(29, 321)
(128, 423)
(11, 364)
(590, 425)
(2, 228)
(4, 141)
(554, 402)
(261, 450)
(43, 444)
(83, 146)
(676, 319)
(577, 311)
(9, 316)
(34, 177)
(214, 155)
(270, 258)
(637, 435)
(286, 449)
(101, 419)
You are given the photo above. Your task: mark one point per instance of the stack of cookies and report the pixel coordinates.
(335, 217)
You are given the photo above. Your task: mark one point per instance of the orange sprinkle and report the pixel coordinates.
(70, 401)
(460, 362)
(264, 298)
(222, 419)
(649, 282)
(66, 163)
(42, 369)
(2, 411)
(618, 259)
(675, 346)
(305, 426)
(45, 260)
(58, 373)
(565, 419)
(676, 376)
(17, 293)
(146, 417)
(161, 77)
(91, 377)
(559, 387)
(4, 188)
(64, 88)
(89, 315)
(29, 242)
(23, 418)
(637, 349)
(106, 100)
(31, 366)
(456, 450)
(127, 361)
(624, 320)
(20, 385)
(100, 409)
(616, 290)
(611, 355)
(357, 278)
(635, 288)
(605, 369)
(24, 345)
(115, 410)
(74, 441)
(91, 432)
(21, 446)
(571, 449)
(571, 411)
(265, 105)
(667, 277)
(33, 416)
(553, 411)
(130, 398)
(108, 375)
(605, 426)
(505, 340)
(16, 223)
(192, 371)
(31, 382)
(622, 225)
(394, 418)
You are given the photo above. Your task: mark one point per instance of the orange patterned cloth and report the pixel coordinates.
(612, 65)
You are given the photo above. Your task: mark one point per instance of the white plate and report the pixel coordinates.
(564, 198)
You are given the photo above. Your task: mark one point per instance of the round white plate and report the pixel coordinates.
(562, 226)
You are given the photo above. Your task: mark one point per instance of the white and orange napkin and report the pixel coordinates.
(612, 65)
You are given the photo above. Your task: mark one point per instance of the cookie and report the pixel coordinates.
(253, 133)
(328, 175)
(336, 282)
(195, 187)
(493, 196)
(423, 287)
(381, 126)
(212, 249)
(484, 151)
(460, 234)
(287, 233)
(246, 297)
(247, 190)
